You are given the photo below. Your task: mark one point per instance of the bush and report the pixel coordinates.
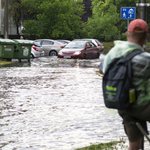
(107, 46)
(123, 37)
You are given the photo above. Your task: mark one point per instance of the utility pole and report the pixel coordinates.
(0, 18)
(142, 7)
(6, 19)
(142, 12)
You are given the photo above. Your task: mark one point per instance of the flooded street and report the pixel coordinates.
(54, 104)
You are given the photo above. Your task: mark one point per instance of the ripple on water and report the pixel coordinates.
(60, 108)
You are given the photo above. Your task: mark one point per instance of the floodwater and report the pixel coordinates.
(54, 104)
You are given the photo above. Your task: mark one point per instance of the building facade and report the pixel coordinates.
(11, 28)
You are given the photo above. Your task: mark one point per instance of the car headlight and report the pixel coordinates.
(77, 53)
(60, 53)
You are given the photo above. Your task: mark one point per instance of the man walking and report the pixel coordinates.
(137, 34)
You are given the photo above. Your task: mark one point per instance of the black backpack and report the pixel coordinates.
(118, 91)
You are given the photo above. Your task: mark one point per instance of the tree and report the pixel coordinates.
(16, 10)
(18, 13)
(54, 19)
(103, 21)
(122, 24)
(106, 18)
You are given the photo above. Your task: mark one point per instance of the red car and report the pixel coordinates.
(80, 49)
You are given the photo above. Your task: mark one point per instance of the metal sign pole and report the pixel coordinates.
(128, 13)
(0, 18)
(127, 23)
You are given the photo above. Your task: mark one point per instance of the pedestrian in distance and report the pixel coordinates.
(21, 37)
(137, 34)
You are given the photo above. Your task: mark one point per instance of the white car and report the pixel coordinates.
(50, 47)
(36, 50)
(64, 41)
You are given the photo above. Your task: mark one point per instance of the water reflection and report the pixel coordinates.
(55, 104)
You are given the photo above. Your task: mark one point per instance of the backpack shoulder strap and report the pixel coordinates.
(130, 56)
(133, 53)
(124, 59)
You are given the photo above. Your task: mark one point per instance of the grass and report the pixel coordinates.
(109, 45)
(5, 62)
(106, 146)
(99, 146)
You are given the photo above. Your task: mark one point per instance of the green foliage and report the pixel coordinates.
(107, 46)
(104, 20)
(122, 24)
(106, 146)
(62, 19)
(18, 12)
(55, 19)
(31, 31)
(15, 12)
(99, 146)
(122, 37)
(105, 23)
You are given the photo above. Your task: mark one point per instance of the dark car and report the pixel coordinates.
(80, 49)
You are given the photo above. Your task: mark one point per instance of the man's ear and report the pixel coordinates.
(127, 34)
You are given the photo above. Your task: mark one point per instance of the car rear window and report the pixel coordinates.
(36, 44)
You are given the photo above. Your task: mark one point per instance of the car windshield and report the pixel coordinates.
(75, 45)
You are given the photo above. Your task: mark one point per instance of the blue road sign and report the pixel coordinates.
(128, 12)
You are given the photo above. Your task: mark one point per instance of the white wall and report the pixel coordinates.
(11, 28)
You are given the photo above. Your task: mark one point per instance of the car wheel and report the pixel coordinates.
(84, 56)
(8, 59)
(97, 55)
(53, 53)
(31, 56)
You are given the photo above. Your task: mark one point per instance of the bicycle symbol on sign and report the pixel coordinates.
(131, 12)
